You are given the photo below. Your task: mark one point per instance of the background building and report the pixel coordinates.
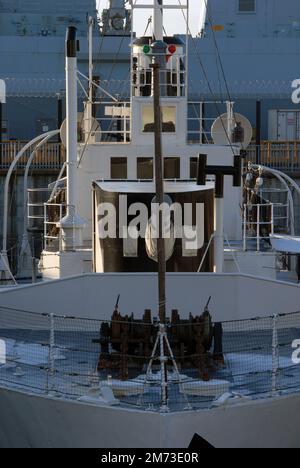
(257, 44)
(247, 51)
(32, 58)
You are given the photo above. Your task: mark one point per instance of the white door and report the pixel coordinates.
(291, 126)
(287, 126)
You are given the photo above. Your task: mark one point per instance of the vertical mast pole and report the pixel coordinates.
(59, 120)
(71, 111)
(91, 67)
(71, 224)
(158, 51)
(159, 193)
(158, 30)
(230, 120)
(258, 131)
(89, 104)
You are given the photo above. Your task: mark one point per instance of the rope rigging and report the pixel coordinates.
(210, 19)
(205, 75)
(109, 78)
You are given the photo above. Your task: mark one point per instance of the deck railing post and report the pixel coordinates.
(60, 231)
(51, 348)
(258, 229)
(163, 369)
(245, 229)
(51, 355)
(275, 354)
(45, 226)
(52, 344)
(272, 218)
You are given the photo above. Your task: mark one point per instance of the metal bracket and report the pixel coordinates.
(219, 172)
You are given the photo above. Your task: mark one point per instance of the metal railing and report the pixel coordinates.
(55, 240)
(53, 214)
(201, 116)
(48, 157)
(36, 199)
(114, 127)
(261, 220)
(284, 156)
(44, 215)
(67, 357)
(172, 79)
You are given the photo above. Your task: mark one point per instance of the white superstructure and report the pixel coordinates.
(77, 376)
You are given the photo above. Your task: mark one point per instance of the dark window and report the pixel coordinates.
(247, 6)
(144, 168)
(172, 168)
(118, 168)
(193, 168)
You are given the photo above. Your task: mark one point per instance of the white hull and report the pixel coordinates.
(39, 421)
(93, 296)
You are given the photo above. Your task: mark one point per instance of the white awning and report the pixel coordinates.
(149, 187)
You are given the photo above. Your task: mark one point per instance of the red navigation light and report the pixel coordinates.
(172, 49)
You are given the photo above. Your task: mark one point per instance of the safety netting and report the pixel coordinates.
(179, 365)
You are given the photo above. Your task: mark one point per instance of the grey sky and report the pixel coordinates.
(174, 23)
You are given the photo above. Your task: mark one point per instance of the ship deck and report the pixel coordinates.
(253, 369)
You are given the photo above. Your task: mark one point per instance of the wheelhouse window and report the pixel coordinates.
(247, 6)
(118, 168)
(193, 168)
(168, 118)
(172, 168)
(145, 168)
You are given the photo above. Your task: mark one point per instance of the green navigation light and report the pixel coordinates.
(146, 49)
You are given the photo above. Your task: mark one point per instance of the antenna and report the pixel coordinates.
(158, 29)
(117, 303)
(207, 304)
(91, 67)
(89, 104)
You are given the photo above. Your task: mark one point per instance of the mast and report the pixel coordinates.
(159, 51)
(91, 69)
(71, 224)
(159, 54)
(159, 184)
(91, 26)
(158, 20)
(71, 111)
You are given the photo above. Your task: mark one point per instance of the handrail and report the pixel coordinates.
(280, 155)
(27, 168)
(13, 165)
(284, 156)
(257, 221)
(260, 365)
(50, 156)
